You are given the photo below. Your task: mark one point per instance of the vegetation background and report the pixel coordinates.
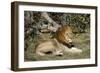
(41, 26)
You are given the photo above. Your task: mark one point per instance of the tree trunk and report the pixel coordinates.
(51, 21)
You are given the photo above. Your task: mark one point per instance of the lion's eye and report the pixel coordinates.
(69, 34)
(66, 34)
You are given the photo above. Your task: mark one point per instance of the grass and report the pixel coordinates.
(82, 41)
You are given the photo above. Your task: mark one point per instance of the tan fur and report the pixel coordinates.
(63, 35)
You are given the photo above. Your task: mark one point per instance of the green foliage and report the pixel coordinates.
(34, 21)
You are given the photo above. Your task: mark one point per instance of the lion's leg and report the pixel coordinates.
(58, 53)
(75, 50)
(40, 53)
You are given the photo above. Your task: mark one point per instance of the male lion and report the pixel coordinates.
(61, 43)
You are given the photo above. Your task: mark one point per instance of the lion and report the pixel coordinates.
(62, 42)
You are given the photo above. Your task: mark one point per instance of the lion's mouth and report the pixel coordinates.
(69, 45)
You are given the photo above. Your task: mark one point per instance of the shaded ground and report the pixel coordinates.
(82, 41)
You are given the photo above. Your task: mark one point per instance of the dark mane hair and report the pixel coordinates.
(60, 33)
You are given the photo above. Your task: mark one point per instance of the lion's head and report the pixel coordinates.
(64, 35)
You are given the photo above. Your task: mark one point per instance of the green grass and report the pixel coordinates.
(81, 41)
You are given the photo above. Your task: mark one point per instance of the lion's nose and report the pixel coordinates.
(70, 41)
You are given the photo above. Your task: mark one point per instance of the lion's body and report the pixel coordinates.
(56, 45)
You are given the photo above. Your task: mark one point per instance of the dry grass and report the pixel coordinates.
(82, 41)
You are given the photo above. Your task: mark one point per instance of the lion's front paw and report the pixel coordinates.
(75, 50)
